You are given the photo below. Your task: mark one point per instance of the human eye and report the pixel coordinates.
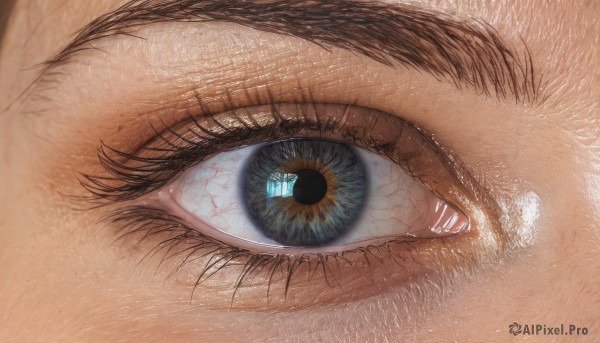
(289, 202)
(310, 193)
(316, 191)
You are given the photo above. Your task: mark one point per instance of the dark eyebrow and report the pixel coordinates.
(466, 52)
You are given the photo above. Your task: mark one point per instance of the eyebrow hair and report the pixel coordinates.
(468, 53)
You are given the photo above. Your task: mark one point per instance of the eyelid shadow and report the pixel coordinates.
(133, 174)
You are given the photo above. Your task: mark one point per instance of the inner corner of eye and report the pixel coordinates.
(306, 192)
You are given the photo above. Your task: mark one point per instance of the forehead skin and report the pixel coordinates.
(564, 40)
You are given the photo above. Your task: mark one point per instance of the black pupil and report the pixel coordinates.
(310, 186)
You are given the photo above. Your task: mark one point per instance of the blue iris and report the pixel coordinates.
(304, 192)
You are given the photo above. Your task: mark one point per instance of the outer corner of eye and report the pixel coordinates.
(310, 193)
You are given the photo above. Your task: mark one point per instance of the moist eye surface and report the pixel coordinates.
(304, 192)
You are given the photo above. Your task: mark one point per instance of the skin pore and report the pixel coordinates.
(531, 144)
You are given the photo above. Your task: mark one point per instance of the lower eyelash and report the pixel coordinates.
(147, 222)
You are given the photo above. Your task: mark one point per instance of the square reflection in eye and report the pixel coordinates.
(281, 184)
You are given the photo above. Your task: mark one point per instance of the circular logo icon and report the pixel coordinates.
(514, 328)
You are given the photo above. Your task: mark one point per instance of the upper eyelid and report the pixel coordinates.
(176, 140)
(464, 51)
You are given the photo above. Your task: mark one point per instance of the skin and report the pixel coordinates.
(63, 280)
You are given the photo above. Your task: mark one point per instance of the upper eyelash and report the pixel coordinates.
(128, 181)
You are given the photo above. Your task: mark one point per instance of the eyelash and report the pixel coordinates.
(150, 173)
(176, 148)
(151, 222)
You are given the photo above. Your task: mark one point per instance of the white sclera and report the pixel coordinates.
(396, 204)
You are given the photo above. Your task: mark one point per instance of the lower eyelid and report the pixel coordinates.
(243, 280)
(277, 281)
